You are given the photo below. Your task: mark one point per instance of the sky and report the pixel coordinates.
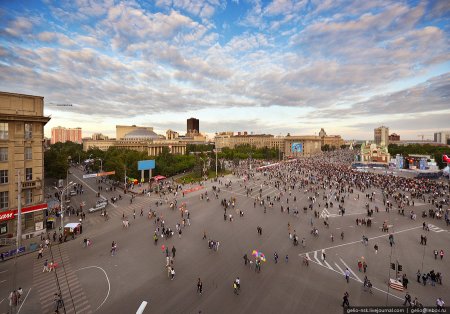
(273, 67)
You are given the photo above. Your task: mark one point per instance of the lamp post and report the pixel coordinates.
(61, 204)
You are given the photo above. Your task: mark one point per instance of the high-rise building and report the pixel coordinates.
(394, 137)
(22, 123)
(62, 135)
(193, 125)
(442, 137)
(381, 136)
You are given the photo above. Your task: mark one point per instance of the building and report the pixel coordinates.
(22, 123)
(290, 146)
(171, 135)
(62, 135)
(139, 139)
(193, 126)
(99, 136)
(394, 138)
(442, 137)
(373, 153)
(335, 141)
(381, 136)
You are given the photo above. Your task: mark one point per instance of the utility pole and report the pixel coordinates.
(19, 211)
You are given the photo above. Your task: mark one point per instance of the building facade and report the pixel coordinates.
(22, 124)
(335, 141)
(394, 138)
(62, 135)
(381, 136)
(193, 126)
(374, 153)
(290, 146)
(442, 138)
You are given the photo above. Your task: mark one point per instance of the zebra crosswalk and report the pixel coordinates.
(435, 228)
(339, 266)
(73, 296)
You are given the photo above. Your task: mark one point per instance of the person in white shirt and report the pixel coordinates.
(440, 303)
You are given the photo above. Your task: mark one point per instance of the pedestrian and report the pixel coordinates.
(46, 266)
(332, 238)
(174, 250)
(405, 281)
(134, 213)
(204, 235)
(245, 257)
(376, 248)
(347, 275)
(342, 235)
(113, 248)
(359, 265)
(435, 252)
(441, 254)
(142, 212)
(407, 299)
(275, 257)
(345, 302)
(323, 255)
(440, 304)
(41, 250)
(418, 274)
(172, 273)
(364, 266)
(287, 258)
(199, 286)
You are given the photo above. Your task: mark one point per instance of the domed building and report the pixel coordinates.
(142, 134)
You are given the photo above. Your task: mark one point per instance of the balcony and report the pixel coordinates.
(32, 184)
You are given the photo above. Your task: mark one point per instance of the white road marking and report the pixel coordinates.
(3, 271)
(2, 281)
(107, 279)
(315, 257)
(350, 270)
(359, 241)
(340, 269)
(328, 265)
(85, 183)
(141, 307)
(23, 302)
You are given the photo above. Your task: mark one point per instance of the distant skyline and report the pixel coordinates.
(240, 65)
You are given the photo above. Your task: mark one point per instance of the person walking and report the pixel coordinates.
(375, 247)
(41, 250)
(418, 274)
(345, 302)
(199, 286)
(440, 304)
(46, 266)
(347, 275)
(172, 273)
(245, 257)
(364, 266)
(174, 250)
(407, 299)
(275, 257)
(435, 252)
(113, 248)
(441, 254)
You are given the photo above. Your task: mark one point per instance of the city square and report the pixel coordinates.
(137, 272)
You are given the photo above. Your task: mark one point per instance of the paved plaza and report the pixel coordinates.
(92, 280)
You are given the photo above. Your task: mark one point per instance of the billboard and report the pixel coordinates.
(146, 164)
(297, 147)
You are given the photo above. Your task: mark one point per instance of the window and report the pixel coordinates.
(4, 204)
(4, 131)
(28, 196)
(28, 153)
(29, 221)
(3, 154)
(4, 228)
(3, 176)
(28, 174)
(28, 131)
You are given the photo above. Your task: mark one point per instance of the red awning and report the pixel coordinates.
(7, 215)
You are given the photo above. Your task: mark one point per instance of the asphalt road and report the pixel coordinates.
(119, 284)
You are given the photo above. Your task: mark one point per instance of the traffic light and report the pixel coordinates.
(393, 266)
(399, 267)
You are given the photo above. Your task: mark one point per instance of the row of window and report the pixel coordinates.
(4, 198)
(4, 153)
(4, 175)
(4, 131)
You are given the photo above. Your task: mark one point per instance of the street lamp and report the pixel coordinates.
(61, 203)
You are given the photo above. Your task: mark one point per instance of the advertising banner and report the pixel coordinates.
(297, 147)
(146, 164)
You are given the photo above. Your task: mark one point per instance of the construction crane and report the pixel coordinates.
(422, 136)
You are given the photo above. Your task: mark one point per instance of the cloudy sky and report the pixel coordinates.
(263, 66)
